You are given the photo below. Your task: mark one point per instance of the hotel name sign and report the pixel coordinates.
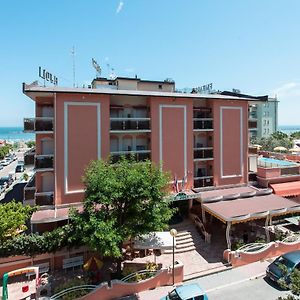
(204, 88)
(47, 76)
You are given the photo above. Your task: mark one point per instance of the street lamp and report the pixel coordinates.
(173, 233)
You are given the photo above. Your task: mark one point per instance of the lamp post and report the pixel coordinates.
(173, 233)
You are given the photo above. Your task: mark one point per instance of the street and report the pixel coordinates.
(12, 191)
(252, 289)
(238, 283)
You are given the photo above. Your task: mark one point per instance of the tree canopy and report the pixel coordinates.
(122, 201)
(13, 217)
(274, 140)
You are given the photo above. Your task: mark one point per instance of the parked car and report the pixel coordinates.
(19, 168)
(6, 162)
(186, 292)
(6, 180)
(290, 260)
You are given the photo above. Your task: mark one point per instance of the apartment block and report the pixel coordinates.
(200, 139)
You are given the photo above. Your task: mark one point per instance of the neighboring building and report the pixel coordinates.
(263, 115)
(266, 116)
(201, 139)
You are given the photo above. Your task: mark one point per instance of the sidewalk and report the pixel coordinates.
(216, 281)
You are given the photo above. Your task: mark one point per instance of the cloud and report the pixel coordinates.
(288, 95)
(120, 7)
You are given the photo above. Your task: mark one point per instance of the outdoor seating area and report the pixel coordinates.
(130, 253)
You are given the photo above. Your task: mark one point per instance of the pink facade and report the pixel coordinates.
(273, 249)
(201, 140)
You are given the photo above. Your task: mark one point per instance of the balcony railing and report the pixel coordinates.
(252, 115)
(203, 182)
(203, 154)
(202, 112)
(29, 190)
(117, 124)
(43, 124)
(252, 124)
(44, 198)
(203, 124)
(29, 157)
(138, 156)
(43, 162)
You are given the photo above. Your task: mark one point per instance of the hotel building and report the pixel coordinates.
(201, 139)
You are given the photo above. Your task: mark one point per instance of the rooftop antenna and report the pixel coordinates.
(73, 59)
(96, 67)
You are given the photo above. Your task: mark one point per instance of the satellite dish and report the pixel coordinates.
(96, 67)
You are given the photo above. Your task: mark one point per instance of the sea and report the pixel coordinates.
(15, 134)
(288, 129)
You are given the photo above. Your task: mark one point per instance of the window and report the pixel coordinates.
(160, 86)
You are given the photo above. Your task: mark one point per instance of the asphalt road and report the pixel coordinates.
(258, 289)
(15, 191)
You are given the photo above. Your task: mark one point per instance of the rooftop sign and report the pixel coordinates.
(47, 76)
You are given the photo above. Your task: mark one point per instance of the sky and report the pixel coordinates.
(250, 45)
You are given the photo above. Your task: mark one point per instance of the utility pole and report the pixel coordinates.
(73, 59)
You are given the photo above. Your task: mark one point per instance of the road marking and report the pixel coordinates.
(236, 282)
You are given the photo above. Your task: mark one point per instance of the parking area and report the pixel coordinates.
(9, 170)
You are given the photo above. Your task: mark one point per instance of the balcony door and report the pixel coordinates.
(47, 146)
(48, 111)
(48, 182)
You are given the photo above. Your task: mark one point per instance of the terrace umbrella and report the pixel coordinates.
(280, 148)
(294, 150)
(256, 146)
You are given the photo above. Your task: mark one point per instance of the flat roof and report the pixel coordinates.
(53, 215)
(246, 209)
(33, 91)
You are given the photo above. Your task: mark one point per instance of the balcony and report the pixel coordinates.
(202, 112)
(203, 154)
(44, 162)
(38, 125)
(253, 115)
(203, 124)
(136, 155)
(29, 157)
(44, 198)
(203, 182)
(252, 125)
(130, 124)
(29, 192)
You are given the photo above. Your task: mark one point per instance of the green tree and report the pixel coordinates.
(279, 135)
(4, 150)
(30, 144)
(293, 284)
(122, 201)
(13, 217)
(295, 135)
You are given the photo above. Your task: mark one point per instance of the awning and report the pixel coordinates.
(155, 240)
(52, 215)
(247, 209)
(286, 189)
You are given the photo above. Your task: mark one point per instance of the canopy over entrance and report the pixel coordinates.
(246, 209)
(286, 189)
(244, 204)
